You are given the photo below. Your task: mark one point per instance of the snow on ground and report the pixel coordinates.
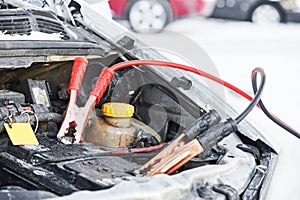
(238, 47)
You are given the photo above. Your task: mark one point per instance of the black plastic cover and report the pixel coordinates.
(62, 169)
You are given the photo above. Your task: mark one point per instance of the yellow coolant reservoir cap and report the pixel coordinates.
(114, 109)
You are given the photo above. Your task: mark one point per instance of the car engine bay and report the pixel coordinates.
(140, 114)
(94, 165)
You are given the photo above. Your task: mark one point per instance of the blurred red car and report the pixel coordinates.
(154, 15)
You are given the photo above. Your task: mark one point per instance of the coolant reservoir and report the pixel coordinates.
(116, 129)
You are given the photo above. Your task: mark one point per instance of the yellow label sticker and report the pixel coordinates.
(21, 134)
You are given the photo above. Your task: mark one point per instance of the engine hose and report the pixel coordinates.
(42, 117)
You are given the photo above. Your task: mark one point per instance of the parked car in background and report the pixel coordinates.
(154, 15)
(258, 11)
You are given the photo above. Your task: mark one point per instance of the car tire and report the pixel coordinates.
(267, 13)
(148, 16)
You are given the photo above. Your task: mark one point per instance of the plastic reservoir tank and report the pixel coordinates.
(117, 129)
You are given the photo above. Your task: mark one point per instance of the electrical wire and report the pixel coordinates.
(268, 114)
(257, 96)
(27, 112)
(136, 150)
(139, 63)
(182, 67)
